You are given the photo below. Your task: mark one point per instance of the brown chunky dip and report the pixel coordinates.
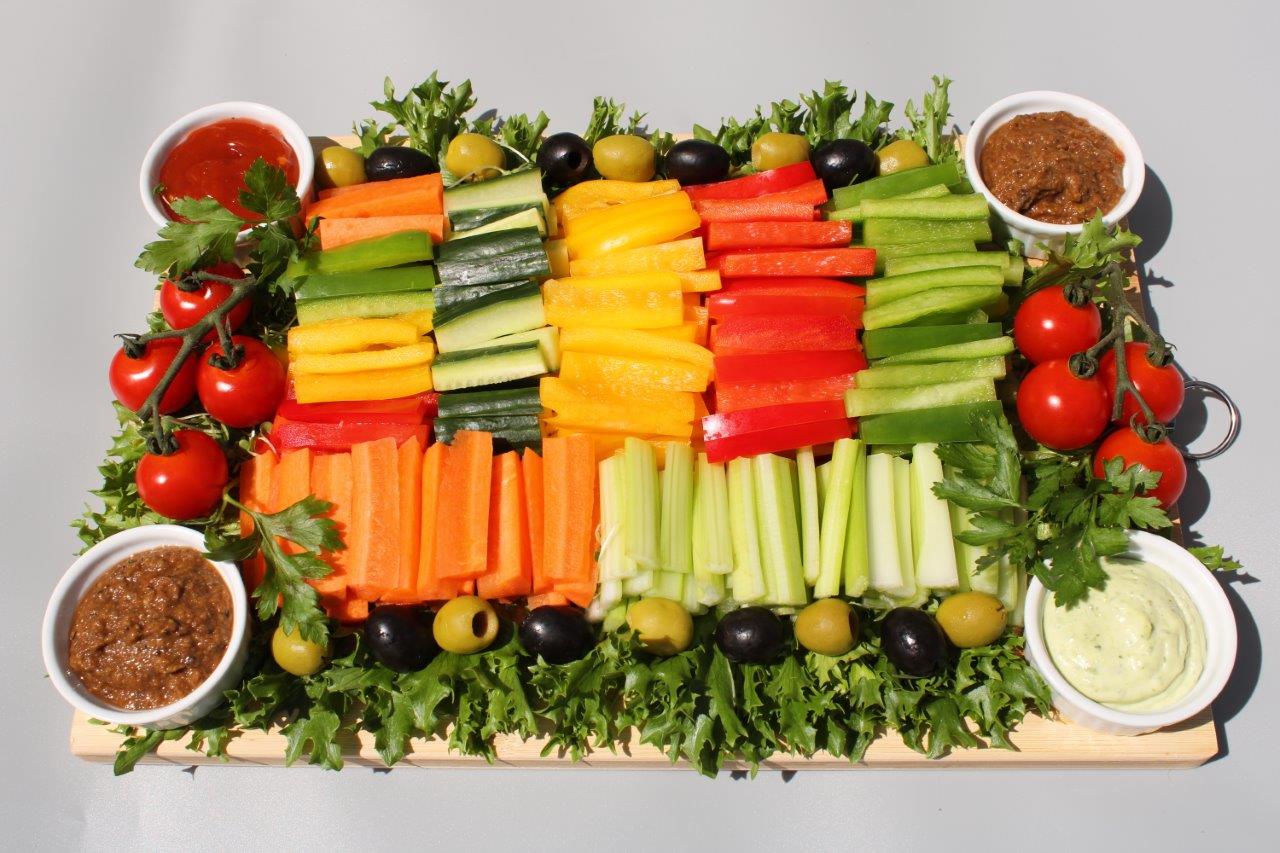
(1053, 167)
(151, 629)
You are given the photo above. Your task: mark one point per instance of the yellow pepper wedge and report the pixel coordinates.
(699, 281)
(595, 195)
(358, 362)
(677, 256)
(657, 412)
(367, 385)
(636, 343)
(701, 320)
(612, 217)
(351, 335)
(631, 234)
(635, 301)
(558, 257)
(632, 373)
(424, 320)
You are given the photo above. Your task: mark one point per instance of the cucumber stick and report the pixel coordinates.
(936, 561)
(530, 217)
(507, 401)
(942, 301)
(859, 402)
(747, 580)
(882, 525)
(641, 518)
(475, 368)
(503, 313)
(857, 563)
(902, 516)
(909, 375)
(883, 343)
(882, 291)
(506, 191)
(835, 516)
(810, 509)
(778, 522)
(675, 543)
(961, 351)
(946, 208)
(547, 338)
(364, 307)
(943, 260)
(877, 231)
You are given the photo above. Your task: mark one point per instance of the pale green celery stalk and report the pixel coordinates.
(882, 525)
(615, 617)
(971, 575)
(902, 516)
(641, 518)
(613, 558)
(640, 584)
(667, 585)
(835, 517)
(936, 554)
(857, 564)
(710, 535)
(778, 523)
(675, 542)
(824, 481)
(747, 580)
(720, 559)
(1012, 590)
(810, 518)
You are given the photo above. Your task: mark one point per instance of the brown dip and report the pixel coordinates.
(151, 628)
(1053, 167)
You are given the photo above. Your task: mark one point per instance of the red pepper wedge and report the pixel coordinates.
(767, 209)
(747, 335)
(758, 184)
(747, 421)
(836, 263)
(810, 192)
(755, 235)
(730, 304)
(287, 434)
(782, 366)
(777, 439)
(414, 409)
(735, 396)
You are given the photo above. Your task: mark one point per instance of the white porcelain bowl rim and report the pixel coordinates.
(86, 569)
(1220, 636)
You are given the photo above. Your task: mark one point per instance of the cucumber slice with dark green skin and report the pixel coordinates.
(447, 297)
(886, 253)
(506, 191)
(948, 423)
(494, 257)
(878, 231)
(940, 301)
(883, 343)
(548, 338)
(888, 186)
(861, 402)
(909, 375)
(475, 368)
(943, 260)
(465, 221)
(369, 283)
(882, 291)
(509, 401)
(391, 250)
(503, 313)
(530, 217)
(513, 432)
(378, 305)
(945, 208)
(963, 351)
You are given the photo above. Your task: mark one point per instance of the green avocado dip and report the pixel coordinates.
(1137, 646)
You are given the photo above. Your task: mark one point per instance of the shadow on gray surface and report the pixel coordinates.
(1244, 677)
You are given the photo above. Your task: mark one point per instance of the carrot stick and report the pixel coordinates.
(406, 196)
(340, 232)
(379, 188)
(351, 610)
(256, 480)
(531, 470)
(510, 571)
(569, 470)
(330, 482)
(375, 518)
(462, 511)
(546, 599)
(409, 462)
(430, 587)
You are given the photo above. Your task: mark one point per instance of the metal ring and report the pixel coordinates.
(1233, 428)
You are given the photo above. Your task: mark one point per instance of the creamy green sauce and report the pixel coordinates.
(1138, 645)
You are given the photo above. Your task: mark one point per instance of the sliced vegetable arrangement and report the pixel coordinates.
(516, 433)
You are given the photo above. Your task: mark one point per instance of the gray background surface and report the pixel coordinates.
(87, 87)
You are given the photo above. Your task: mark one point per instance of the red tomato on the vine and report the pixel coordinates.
(1048, 326)
(247, 394)
(187, 483)
(133, 379)
(1160, 456)
(1161, 387)
(183, 309)
(1059, 409)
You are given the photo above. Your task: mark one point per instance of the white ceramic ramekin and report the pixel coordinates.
(1031, 232)
(76, 582)
(1220, 639)
(149, 175)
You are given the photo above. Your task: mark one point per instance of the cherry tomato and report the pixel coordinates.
(187, 483)
(183, 309)
(133, 379)
(1161, 456)
(247, 394)
(1161, 387)
(1059, 409)
(1048, 326)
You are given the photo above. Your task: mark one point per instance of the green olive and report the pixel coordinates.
(829, 626)
(465, 625)
(296, 655)
(624, 157)
(972, 619)
(665, 628)
(474, 154)
(900, 155)
(341, 167)
(774, 150)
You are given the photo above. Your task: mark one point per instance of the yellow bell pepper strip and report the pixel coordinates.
(677, 256)
(366, 385)
(611, 217)
(687, 332)
(358, 362)
(632, 373)
(558, 258)
(699, 281)
(657, 412)
(424, 320)
(633, 233)
(595, 195)
(634, 343)
(634, 301)
(700, 317)
(351, 335)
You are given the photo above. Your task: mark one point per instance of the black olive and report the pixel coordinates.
(751, 635)
(558, 634)
(400, 637)
(394, 161)
(841, 162)
(913, 641)
(564, 159)
(697, 161)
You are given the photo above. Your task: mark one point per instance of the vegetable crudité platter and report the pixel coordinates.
(745, 448)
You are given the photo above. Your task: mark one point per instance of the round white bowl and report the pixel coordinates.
(76, 582)
(1220, 641)
(149, 175)
(1030, 231)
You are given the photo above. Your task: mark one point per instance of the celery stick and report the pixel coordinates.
(676, 529)
(641, 519)
(720, 542)
(824, 481)
(706, 587)
(971, 575)
(747, 580)
(640, 584)
(778, 523)
(596, 611)
(667, 585)
(882, 525)
(902, 516)
(613, 559)
(835, 516)
(857, 566)
(936, 565)
(810, 520)
(615, 618)
(877, 401)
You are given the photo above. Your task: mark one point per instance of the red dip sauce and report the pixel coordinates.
(211, 161)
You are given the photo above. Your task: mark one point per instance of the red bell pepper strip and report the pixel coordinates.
(338, 437)
(811, 192)
(755, 210)
(758, 184)
(835, 263)
(735, 396)
(773, 429)
(403, 410)
(770, 417)
(754, 235)
(746, 335)
(722, 304)
(782, 366)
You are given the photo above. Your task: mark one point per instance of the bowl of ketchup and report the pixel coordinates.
(207, 152)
